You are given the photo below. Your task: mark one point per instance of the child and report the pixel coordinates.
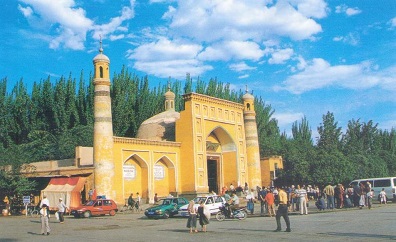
(383, 196)
(44, 212)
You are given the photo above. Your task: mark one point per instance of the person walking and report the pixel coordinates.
(44, 214)
(282, 211)
(203, 215)
(192, 218)
(61, 210)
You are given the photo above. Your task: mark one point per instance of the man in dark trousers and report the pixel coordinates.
(282, 211)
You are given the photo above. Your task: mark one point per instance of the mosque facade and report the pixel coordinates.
(210, 144)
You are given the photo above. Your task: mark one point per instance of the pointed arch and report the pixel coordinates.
(224, 138)
(164, 176)
(136, 181)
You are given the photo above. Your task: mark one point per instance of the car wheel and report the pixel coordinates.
(112, 212)
(87, 214)
(220, 216)
(166, 214)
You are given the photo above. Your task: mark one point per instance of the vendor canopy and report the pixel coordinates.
(69, 189)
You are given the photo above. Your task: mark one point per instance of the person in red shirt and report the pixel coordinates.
(269, 198)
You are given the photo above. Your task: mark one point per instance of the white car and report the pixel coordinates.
(213, 202)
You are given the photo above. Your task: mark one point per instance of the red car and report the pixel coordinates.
(96, 207)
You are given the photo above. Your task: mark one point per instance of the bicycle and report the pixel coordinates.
(33, 211)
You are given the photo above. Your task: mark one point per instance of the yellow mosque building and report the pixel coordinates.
(210, 144)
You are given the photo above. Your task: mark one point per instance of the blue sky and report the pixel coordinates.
(304, 57)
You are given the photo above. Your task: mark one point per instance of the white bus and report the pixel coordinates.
(389, 183)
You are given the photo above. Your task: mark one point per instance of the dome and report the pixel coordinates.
(160, 127)
(248, 96)
(169, 94)
(101, 57)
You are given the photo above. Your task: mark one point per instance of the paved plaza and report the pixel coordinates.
(377, 224)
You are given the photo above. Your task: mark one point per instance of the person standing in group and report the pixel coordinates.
(44, 213)
(370, 196)
(363, 194)
(329, 191)
(192, 218)
(302, 195)
(203, 215)
(263, 203)
(61, 210)
(270, 200)
(282, 211)
(131, 201)
(250, 201)
(382, 196)
(138, 201)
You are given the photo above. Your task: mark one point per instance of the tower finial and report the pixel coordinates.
(100, 47)
(169, 81)
(246, 89)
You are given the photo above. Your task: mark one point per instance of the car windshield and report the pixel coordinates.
(90, 203)
(166, 201)
(197, 200)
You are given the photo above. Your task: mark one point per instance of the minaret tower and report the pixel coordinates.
(169, 99)
(252, 144)
(103, 128)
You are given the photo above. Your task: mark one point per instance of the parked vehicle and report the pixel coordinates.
(224, 213)
(96, 207)
(213, 202)
(168, 207)
(388, 183)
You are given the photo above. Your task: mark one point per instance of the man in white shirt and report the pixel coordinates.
(44, 201)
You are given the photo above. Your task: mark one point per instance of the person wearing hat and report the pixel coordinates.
(44, 214)
(61, 210)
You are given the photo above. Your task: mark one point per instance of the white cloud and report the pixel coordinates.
(243, 76)
(216, 20)
(351, 39)
(116, 37)
(320, 74)
(241, 66)
(347, 10)
(238, 50)
(114, 24)
(27, 12)
(287, 118)
(165, 58)
(393, 22)
(280, 56)
(69, 22)
(311, 8)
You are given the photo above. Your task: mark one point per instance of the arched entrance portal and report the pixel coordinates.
(135, 176)
(164, 177)
(221, 154)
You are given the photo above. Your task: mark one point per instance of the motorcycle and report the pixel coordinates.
(239, 213)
